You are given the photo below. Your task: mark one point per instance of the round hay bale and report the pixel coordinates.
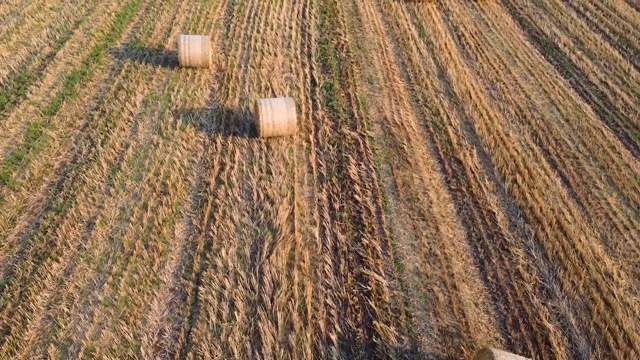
(275, 117)
(495, 354)
(194, 51)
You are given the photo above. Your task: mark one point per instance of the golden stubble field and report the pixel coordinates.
(465, 174)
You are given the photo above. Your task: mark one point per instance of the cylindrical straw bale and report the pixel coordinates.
(194, 51)
(495, 354)
(275, 117)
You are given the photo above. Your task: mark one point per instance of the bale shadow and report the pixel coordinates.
(218, 120)
(157, 57)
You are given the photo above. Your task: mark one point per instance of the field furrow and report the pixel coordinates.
(17, 11)
(403, 138)
(524, 177)
(584, 181)
(478, 226)
(621, 33)
(32, 41)
(36, 133)
(587, 63)
(592, 184)
(634, 4)
(55, 208)
(151, 224)
(306, 331)
(16, 231)
(36, 173)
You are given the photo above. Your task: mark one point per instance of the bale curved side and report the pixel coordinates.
(194, 51)
(495, 354)
(275, 117)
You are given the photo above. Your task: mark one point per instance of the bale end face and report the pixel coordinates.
(275, 117)
(495, 354)
(194, 51)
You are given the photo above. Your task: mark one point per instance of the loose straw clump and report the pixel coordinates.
(275, 117)
(495, 354)
(194, 51)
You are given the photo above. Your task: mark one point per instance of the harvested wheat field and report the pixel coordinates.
(463, 174)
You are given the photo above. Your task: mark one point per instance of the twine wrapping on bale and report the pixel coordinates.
(275, 117)
(194, 51)
(495, 354)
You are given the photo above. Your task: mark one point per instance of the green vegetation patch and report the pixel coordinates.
(35, 138)
(34, 141)
(96, 56)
